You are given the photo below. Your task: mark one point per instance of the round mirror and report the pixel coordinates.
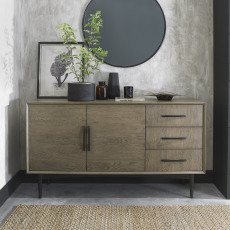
(133, 30)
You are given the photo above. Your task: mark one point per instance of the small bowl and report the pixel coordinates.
(163, 96)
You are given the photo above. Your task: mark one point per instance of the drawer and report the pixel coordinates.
(174, 138)
(173, 160)
(174, 115)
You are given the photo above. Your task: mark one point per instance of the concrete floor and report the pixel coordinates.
(113, 194)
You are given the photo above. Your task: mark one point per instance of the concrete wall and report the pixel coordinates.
(9, 93)
(184, 63)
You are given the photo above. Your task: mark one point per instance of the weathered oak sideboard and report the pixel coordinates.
(107, 137)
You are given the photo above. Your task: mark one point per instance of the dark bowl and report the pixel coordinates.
(164, 97)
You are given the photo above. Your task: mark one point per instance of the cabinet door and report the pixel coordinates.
(117, 138)
(55, 138)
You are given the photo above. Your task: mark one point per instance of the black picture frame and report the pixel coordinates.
(47, 86)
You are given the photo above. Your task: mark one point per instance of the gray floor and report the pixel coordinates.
(113, 194)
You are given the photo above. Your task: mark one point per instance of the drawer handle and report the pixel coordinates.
(84, 137)
(173, 115)
(179, 160)
(174, 138)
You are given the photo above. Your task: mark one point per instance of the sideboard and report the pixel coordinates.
(108, 137)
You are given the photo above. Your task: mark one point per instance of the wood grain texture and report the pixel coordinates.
(116, 173)
(156, 115)
(193, 137)
(193, 161)
(55, 138)
(204, 136)
(152, 101)
(117, 138)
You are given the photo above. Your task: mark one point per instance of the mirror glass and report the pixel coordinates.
(133, 30)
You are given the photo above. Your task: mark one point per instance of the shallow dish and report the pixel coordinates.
(163, 96)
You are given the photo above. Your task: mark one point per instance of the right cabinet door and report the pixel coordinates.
(117, 138)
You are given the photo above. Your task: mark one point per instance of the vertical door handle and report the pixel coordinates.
(88, 138)
(84, 137)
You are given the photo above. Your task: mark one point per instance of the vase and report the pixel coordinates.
(113, 86)
(81, 91)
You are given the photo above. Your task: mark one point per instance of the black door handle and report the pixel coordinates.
(84, 137)
(88, 132)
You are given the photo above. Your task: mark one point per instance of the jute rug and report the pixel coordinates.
(69, 217)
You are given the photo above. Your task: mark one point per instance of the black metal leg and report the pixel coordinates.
(39, 186)
(191, 185)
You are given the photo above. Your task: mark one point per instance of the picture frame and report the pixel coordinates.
(52, 76)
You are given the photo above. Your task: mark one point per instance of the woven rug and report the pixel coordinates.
(69, 217)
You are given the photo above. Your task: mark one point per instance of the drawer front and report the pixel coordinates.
(173, 160)
(174, 115)
(173, 138)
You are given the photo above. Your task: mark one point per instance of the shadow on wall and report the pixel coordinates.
(12, 144)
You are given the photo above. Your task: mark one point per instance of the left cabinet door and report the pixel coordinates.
(55, 138)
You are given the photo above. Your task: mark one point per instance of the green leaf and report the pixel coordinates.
(84, 62)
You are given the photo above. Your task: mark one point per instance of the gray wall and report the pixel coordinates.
(9, 92)
(184, 63)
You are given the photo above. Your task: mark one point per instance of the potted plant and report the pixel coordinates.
(87, 61)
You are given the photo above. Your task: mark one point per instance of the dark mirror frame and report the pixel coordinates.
(141, 43)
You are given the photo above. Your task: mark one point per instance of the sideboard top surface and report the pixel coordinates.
(112, 102)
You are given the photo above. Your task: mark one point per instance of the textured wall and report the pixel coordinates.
(9, 95)
(184, 63)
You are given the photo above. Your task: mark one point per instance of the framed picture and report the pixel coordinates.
(53, 78)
